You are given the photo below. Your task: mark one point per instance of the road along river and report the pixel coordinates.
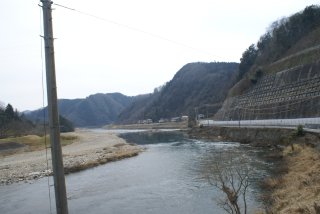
(169, 177)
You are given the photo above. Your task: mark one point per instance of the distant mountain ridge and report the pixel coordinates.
(94, 110)
(195, 85)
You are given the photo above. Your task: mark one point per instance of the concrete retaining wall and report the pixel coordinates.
(293, 93)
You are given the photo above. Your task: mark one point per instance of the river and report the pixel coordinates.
(169, 177)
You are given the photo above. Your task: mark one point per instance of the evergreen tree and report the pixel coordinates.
(9, 112)
(248, 59)
(65, 124)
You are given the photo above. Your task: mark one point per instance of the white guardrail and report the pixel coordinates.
(313, 123)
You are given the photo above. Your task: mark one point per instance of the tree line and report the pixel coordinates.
(279, 38)
(13, 123)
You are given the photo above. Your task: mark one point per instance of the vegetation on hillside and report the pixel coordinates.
(277, 49)
(286, 32)
(195, 85)
(137, 110)
(95, 110)
(65, 124)
(13, 124)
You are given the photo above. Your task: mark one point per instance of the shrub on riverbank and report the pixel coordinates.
(300, 131)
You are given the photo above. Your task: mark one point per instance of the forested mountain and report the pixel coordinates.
(136, 110)
(284, 37)
(198, 85)
(95, 110)
(279, 71)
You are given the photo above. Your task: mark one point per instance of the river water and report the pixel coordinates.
(169, 177)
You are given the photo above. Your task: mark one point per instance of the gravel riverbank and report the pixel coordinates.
(90, 149)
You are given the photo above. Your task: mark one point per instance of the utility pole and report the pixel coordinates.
(239, 116)
(56, 151)
(196, 114)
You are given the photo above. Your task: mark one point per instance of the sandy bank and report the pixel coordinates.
(91, 149)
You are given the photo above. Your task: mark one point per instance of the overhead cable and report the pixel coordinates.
(136, 29)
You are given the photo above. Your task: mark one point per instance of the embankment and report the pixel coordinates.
(255, 136)
(294, 187)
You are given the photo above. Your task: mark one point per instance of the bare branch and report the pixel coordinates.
(233, 181)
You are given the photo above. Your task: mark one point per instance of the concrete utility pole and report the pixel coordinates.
(196, 114)
(56, 152)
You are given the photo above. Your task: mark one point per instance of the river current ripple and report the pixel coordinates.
(167, 178)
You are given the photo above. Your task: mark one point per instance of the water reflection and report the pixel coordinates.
(154, 137)
(169, 177)
(202, 156)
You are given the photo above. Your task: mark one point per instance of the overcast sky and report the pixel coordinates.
(135, 47)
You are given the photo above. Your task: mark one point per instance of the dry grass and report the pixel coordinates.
(296, 60)
(121, 152)
(298, 191)
(273, 183)
(35, 142)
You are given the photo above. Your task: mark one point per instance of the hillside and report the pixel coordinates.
(201, 85)
(137, 109)
(281, 73)
(95, 110)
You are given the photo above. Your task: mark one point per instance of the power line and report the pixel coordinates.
(136, 30)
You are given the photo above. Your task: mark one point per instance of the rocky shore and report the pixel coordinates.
(90, 149)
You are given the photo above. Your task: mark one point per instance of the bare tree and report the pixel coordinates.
(231, 178)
